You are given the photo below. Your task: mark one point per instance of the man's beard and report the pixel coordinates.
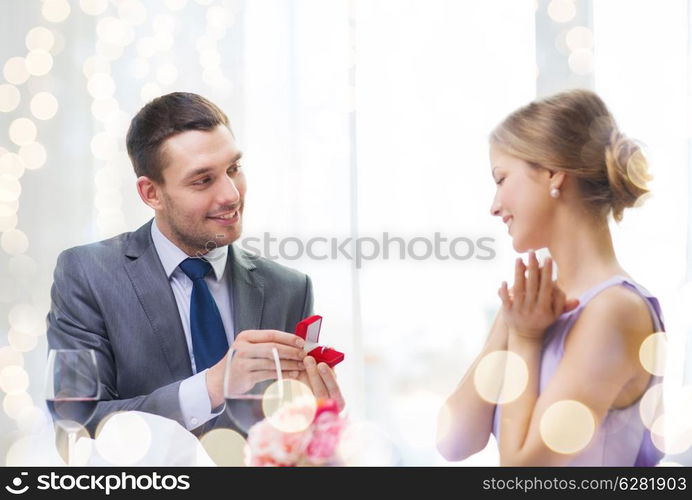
(195, 243)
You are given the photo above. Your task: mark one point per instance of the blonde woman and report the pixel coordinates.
(562, 167)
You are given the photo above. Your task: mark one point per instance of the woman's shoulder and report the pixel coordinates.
(620, 313)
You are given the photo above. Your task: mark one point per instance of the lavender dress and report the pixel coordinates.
(622, 439)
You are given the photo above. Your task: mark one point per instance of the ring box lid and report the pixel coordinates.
(309, 330)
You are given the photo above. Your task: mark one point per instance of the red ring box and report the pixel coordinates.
(309, 330)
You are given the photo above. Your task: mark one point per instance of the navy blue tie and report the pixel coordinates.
(209, 343)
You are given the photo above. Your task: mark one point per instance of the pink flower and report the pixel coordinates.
(315, 445)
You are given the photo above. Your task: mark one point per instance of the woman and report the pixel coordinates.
(562, 166)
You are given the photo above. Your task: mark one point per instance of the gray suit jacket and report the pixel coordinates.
(113, 296)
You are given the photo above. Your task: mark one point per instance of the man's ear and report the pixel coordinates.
(150, 192)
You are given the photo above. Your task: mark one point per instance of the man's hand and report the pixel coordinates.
(253, 361)
(322, 380)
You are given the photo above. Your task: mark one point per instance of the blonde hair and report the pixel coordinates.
(574, 132)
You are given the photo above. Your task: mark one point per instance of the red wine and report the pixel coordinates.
(75, 409)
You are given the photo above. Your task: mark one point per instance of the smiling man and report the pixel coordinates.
(160, 306)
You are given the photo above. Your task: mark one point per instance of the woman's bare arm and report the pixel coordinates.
(465, 421)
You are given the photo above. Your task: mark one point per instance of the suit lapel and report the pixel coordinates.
(247, 290)
(156, 296)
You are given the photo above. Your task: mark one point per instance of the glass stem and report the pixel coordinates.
(71, 445)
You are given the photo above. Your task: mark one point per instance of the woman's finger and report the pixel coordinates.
(519, 282)
(503, 292)
(558, 301)
(545, 291)
(532, 281)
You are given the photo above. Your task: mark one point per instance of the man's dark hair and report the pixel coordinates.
(165, 117)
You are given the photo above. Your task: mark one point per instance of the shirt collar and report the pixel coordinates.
(171, 256)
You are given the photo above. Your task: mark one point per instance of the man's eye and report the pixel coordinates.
(201, 182)
(234, 169)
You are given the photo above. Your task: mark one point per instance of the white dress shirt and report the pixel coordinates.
(193, 396)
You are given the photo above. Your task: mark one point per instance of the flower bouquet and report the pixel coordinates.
(273, 441)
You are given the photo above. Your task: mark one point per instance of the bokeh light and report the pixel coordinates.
(581, 61)
(123, 438)
(21, 341)
(55, 11)
(132, 12)
(651, 405)
(9, 98)
(8, 222)
(108, 50)
(114, 31)
(501, 377)
(93, 7)
(44, 105)
(22, 131)
(671, 431)
(15, 70)
(218, 18)
(39, 62)
(289, 405)
(225, 447)
(10, 188)
(40, 38)
(19, 452)
(103, 146)
(13, 404)
(14, 242)
(652, 353)
(117, 123)
(12, 165)
(14, 379)
(562, 11)
(579, 37)
(10, 357)
(26, 318)
(567, 426)
(33, 155)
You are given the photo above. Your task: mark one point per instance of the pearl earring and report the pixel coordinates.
(555, 192)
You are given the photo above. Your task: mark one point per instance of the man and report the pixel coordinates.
(160, 306)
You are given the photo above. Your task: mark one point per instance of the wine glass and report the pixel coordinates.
(72, 391)
(244, 398)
